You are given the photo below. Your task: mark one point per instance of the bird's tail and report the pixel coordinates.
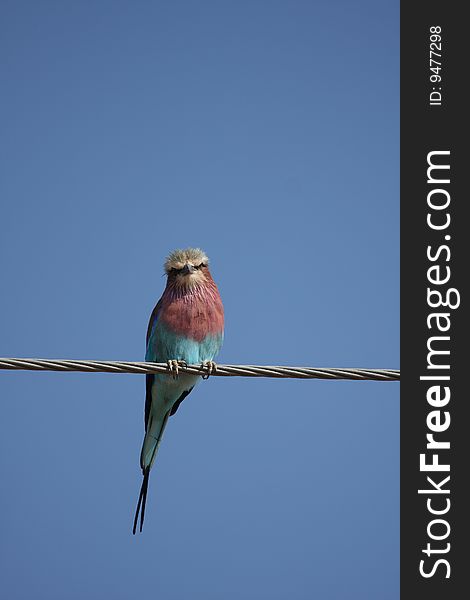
(152, 439)
(142, 501)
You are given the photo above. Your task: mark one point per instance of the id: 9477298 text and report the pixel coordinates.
(435, 65)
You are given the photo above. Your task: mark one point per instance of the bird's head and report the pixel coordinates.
(187, 268)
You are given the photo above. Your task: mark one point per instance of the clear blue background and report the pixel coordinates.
(265, 132)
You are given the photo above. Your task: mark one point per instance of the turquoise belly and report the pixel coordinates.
(164, 345)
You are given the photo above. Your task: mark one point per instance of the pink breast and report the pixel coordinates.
(194, 317)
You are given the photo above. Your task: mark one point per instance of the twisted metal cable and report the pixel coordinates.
(118, 366)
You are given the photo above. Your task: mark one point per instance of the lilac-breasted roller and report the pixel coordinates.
(186, 326)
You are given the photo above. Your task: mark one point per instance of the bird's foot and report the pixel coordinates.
(174, 365)
(210, 367)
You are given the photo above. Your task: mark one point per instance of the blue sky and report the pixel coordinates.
(266, 133)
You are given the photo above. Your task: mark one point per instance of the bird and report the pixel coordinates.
(185, 327)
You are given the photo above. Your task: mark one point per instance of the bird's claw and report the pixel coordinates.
(210, 367)
(174, 365)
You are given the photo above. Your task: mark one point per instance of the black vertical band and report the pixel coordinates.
(435, 251)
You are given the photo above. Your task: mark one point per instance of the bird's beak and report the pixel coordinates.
(187, 269)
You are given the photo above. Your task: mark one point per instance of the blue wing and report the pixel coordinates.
(150, 378)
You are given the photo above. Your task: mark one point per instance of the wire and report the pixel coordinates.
(113, 366)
